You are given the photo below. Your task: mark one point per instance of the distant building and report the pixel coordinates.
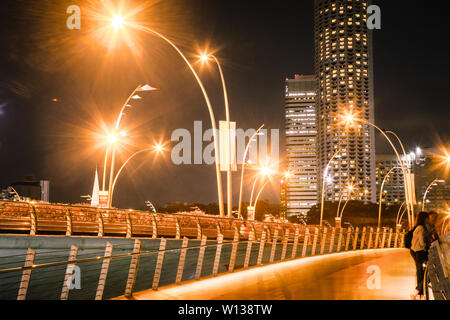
(33, 189)
(394, 188)
(300, 189)
(428, 167)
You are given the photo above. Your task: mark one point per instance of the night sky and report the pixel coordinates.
(57, 86)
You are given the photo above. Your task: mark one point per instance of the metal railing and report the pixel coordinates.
(38, 218)
(142, 264)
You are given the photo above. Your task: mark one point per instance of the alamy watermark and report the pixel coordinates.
(198, 148)
(73, 22)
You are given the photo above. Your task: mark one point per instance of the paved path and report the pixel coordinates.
(341, 276)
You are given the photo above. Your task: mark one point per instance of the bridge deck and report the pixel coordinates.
(341, 276)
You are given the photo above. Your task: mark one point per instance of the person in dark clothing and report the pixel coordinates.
(419, 252)
(432, 234)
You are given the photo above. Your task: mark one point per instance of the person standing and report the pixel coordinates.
(431, 227)
(419, 251)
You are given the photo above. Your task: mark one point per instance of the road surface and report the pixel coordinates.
(341, 276)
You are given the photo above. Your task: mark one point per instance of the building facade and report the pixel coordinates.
(300, 188)
(343, 67)
(394, 188)
(428, 167)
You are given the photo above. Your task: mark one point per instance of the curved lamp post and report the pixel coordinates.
(381, 192)
(133, 96)
(407, 178)
(205, 58)
(208, 103)
(350, 118)
(124, 165)
(325, 174)
(243, 168)
(435, 181)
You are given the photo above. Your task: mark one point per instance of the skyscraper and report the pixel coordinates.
(343, 67)
(300, 187)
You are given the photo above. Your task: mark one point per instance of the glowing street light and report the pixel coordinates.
(113, 137)
(349, 119)
(208, 104)
(117, 21)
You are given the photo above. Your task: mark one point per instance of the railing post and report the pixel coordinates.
(26, 274)
(396, 239)
(133, 268)
(219, 229)
(377, 239)
(389, 239)
(324, 238)
(339, 245)
(402, 239)
(369, 246)
(261, 248)
(355, 240)
(155, 227)
(285, 243)
(383, 239)
(69, 271)
(347, 240)
(251, 238)
(314, 245)
(104, 272)
(274, 246)
(305, 242)
(159, 263)
(33, 221)
(201, 256)
(178, 229)
(333, 235)
(199, 230)
(129, 227)
(363, 238)
(100, 224)
(183, 252)
(234, 250)
(218, 253)
(68, 223)
(294, 248)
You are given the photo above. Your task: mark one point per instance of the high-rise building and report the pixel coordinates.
(300, 188)
(343, 67)
(428, 168)
(394, 188)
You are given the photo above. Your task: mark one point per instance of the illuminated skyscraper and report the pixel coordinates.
(300, 189)
(343, 67)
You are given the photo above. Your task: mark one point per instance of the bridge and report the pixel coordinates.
(70, 252)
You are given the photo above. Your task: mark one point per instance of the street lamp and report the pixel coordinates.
(205, 58)
(381, 192)
(208, 104)
(434, 183)
(324, 178)
(243, 168)
(399, 218)
(348, 119)
(407, 179)
(113, 137)
(118, 22)
(158, 148)
(350, 189)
